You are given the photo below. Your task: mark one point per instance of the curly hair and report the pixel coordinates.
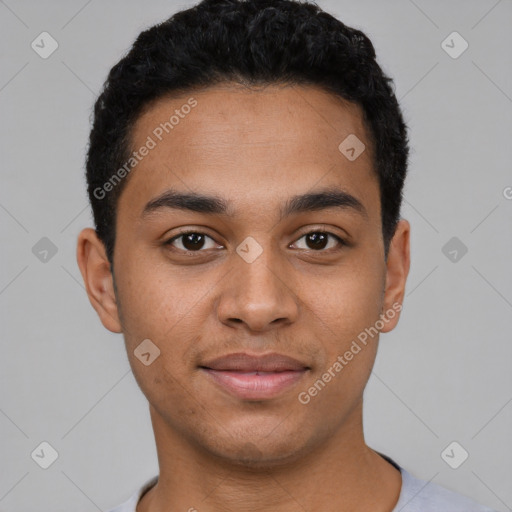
(251, 42)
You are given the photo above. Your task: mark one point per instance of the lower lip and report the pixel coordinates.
(250, 386)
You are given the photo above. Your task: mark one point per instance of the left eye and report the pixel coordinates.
(319, 240)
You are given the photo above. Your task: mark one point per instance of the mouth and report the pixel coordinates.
(255, 385)
(253, 377)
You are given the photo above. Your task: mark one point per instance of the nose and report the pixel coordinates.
(259, 294)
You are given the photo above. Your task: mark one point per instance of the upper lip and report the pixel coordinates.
(244, 362)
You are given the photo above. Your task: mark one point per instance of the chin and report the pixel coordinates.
(258, 453)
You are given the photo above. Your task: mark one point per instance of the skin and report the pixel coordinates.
(255, 149)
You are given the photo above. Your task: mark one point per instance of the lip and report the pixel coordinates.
(245, 362)
(253, 377)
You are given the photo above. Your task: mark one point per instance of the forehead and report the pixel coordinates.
(249, 143)
(252, 115)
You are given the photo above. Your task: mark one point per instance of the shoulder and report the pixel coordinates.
(131, 504)
(423, 496)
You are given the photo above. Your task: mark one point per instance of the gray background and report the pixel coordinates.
(443, 375)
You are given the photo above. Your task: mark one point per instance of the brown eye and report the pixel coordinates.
(191, 242)
(319, 240)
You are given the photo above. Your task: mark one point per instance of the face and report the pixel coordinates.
(246, 230)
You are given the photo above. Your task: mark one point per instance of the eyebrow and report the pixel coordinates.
(213, 205)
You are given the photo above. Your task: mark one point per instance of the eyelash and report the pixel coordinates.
(340, 241)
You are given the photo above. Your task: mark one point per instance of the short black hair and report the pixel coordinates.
(255, 43)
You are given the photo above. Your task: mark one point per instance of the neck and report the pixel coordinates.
(342, 474)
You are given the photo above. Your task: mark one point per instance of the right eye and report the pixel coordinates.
(190, 241)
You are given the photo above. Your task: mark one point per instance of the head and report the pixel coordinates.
(267, 131)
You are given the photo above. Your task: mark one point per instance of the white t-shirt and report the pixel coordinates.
(415, 496)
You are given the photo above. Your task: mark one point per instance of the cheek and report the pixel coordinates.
(348, 301)
(156, 300)
(345, 315)
(167, 391)
(169, 309)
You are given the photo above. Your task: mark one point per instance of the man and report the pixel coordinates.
(245, 171)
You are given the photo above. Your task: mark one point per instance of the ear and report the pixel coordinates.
(396, 275)
(96, 273)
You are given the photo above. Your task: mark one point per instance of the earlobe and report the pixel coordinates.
(398, 265)
(98, 279)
